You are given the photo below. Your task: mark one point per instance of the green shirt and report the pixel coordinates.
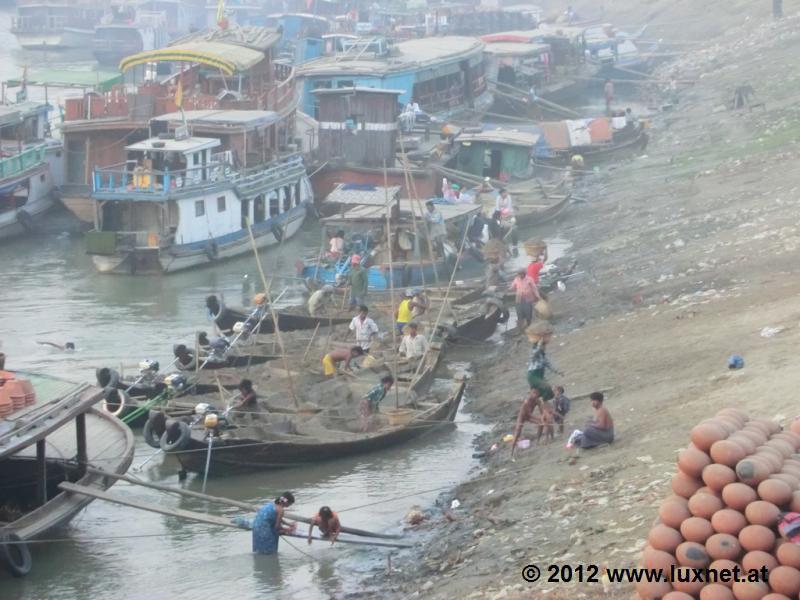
(375, 395)
(358, 282)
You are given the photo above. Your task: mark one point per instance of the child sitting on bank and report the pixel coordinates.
(546, 424)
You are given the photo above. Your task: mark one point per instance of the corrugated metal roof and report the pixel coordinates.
(516, 48)
(235, 118)
(499, 136)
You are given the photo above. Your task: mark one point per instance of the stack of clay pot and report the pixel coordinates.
(733, 480)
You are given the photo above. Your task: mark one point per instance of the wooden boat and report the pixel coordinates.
(481, 326)
(289, 437)
(595, 140)
(288, 320)
(55, 438)
(255, 448)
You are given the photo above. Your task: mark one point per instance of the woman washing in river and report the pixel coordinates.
(268, 524)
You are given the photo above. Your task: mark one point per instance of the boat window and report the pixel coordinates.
(345, 83)
(196, 158)
(259, 209)
(221, 204)
(199, 208)
(296, 194)
(274, 205)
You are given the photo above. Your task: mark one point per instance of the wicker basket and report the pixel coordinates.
(494, 250)
(399, 416)
(534, 247)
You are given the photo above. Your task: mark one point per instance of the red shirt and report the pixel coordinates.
(525, 288)
(534, 269)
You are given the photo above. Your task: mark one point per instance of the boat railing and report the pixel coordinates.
(285, 167)
(131, 180)
(37, 23)
(19, 163)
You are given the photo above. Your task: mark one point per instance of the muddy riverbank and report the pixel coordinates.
(690, 253)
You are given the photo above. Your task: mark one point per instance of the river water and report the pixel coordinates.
(49, 291)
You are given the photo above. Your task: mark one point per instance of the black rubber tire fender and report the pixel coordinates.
(277, 231)
(212, 250)
(106, 378)
(17, 556)
(154, 428)
(116, 397)
(170, 442)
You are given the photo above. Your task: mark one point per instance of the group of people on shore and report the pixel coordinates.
(553, 404)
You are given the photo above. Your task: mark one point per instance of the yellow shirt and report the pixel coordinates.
(404, 312)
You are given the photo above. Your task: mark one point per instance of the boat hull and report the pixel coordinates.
(57, 39)
(246, 455)
(153, 261)
(40, 200)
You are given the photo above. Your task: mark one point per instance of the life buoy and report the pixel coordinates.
(16, 554)
(114, 397)
(277, 231)
(154, 428)
(212, 251)
(106, 378)
(26, 220)
(176, 436)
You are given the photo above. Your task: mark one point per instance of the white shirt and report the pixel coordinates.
(413, 347)
(501, 204)
(364, 331)
(337, 245)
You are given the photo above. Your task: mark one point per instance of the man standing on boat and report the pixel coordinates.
(268, 524)
(372, 399)
(359, 283)
(364, 327)
(436, 227)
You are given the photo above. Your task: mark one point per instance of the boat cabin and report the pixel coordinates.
(358, 125)
(499, 154)
(444, 75)
(301, 35)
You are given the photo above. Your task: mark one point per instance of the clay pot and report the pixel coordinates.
(664, 538)
(716, 591)
(674, 512)
(653, 590)
(757, 560)
(723, 546)
(775, 491)
(753, 434)
(729, 424)
(692, 461)
(728, 565)
(692, 554)
(752, 470)
(657, 559)
(728, 521)
(774, 596)
(688, 586)
(705, 434)
(794, 503)
(763, 513)
(684, 485)
(788, 554)
(770, 426)
(718, 476)
(773, 457)
(696, 529)
(673, 595)
(727, 452)
(704, 505)
(785, 580)
(750, 590)
(794, 426)
(738, 495)
(791, 480)
(785, 447)
(745, 442)
(790, 436)
(757, 537)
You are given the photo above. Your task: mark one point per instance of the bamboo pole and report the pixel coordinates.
(391, 280)
(248, 506)
(274, 315)
(191, 515)
(311, 341)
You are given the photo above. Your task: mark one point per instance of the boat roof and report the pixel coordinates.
(67, 78)
(500, 136)
(359, 194)
(231, 50)
(308, 16)
(352, 90)
(11, 114)
(189, 144)
(378, 212)
(238, 119)
(516, 48)
(410, 54)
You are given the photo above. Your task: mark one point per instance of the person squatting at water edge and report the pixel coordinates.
(268, 524)
(328, 523)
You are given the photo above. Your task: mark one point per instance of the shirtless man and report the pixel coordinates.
(328, 523)
(525, 415)
(599, 430)
(331, 360)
